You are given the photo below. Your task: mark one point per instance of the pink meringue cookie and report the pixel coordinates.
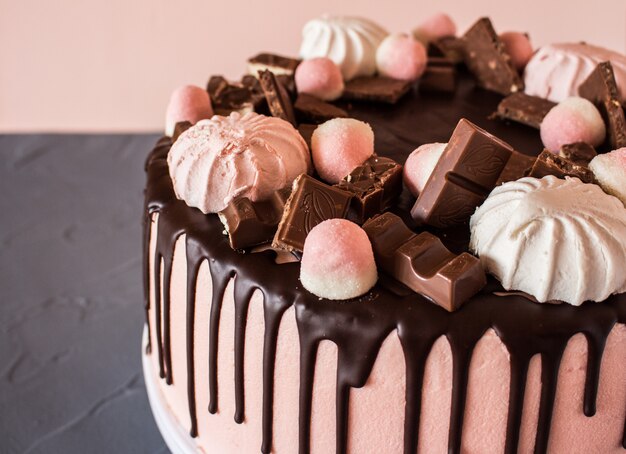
(610, 172)
(400, 56)
(187, 103)
(420, 164)
(518, 46)
(337, 261)
(572, 120)
(436, 26)
(319, 77)
(339, 145)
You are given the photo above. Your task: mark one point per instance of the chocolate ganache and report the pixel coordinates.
(359, 327)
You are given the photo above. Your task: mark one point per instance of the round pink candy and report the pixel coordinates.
(187, 103)
(337, 261)
(320, 77)
(420, 165)
(436, 26)
(518, 47)
(572, 120)
(339, 145)
(401, 57)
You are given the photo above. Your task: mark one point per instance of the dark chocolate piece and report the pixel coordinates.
(310, 109)
(179, 128)
(251, 223)
(278, 99)
(486, 58)
(440, 76)
(376, 184)
(422, 262)
(277, 64)
(449, 47)
(525, 109)
(306, 131)
(252, 84)
(518, 166)
(310, 203)
(228, 97)
(601, 89)
(377, 89)
(579, 152)
(289, 83)
(548, 163)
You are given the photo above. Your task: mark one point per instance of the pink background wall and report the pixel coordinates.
(85, 65)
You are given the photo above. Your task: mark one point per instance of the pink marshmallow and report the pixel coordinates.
(187, 103)
(401, 57)
(610, 172)
(339, 145)
(337, 261)
(518, 47)
(420, 164)
(319, 77)
(436, 26)
(572, 120)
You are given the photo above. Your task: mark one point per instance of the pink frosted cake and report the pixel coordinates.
(305, 293)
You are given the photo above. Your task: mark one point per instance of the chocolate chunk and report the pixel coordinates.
(601, 89)
(377, 89)
(227, 97)
(449, 47)
(310, 203)
(216, 86)
(440, 76)
(251, 223)
(277, 64)
(277, 97)
(289, 83)
(548, 163)
(179, 128)
(518, 166)
(252, 84)
(469, 168)
(422, 262)
(525, 109)
(313, 110)
(580, 153)
(486, 58)
(306, 131)
(376, 184)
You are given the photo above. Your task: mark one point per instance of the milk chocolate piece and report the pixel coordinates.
(277, 64)
(310, 109)
(486, 58)
(310, 203)
(548, 163)
(579, 152)
(449, 47)
(278, 99)
(229, 97)
(179, 128)
(422, 262)
(376, 184)
(440, 76)
(306, 131)
(525, 109)
(601, 89)
(377, 89)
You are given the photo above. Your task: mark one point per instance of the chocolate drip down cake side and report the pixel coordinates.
(394, 243)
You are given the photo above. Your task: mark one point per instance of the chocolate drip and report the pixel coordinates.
(193, 267)
(243, 295)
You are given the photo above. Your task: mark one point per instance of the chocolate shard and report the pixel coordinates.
(310, 109)
(422, 262)
(278, 99)
(486, 58)
(229, 97)
(306, 131)
(277, 64)
(440, 76)
(579, 153)
(179, 128)
(289, 83)
(377, 89)
(375, 185)
(449, 47)
(470, 167)
(548, 163)
(601, 89)
(310, 203)
(525, 109)
(251, 223)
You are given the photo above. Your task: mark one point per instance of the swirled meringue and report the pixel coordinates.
(248, 155)
(350, 42)
(556, 70)
(554, 239)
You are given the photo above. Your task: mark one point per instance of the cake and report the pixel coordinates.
(240, 357)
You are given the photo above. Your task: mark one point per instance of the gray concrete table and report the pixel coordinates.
(71, 303)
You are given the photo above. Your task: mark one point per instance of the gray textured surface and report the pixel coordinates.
(71, 295)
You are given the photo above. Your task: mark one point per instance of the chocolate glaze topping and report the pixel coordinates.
(359, 327)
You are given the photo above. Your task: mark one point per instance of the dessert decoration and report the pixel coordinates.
(400, 56)
(223, 158)
(278, 99)
(518, 46)
(319, 77)
(306, 131)
(440, 75)
(337, 261)
(556, 71)
(423, 263)
(310, 203)
(229, 97)
(439, 25)
(519, 232)
(487, 59)
(610, 172)
(277, 64)
(311, 109)
(187, 103)
(572, 120)
(601, 89)
(179, 128)
(450, 47)
(350, 42)
(340, 145)
(376, 89)
(547, 163)
(525, 109)
(420, 165)
(578, 152)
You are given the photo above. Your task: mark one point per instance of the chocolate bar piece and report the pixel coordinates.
(439, 76)
(486, 58)
(277, 64)
(377, 89)
(306, 131)
(548, 163)
(179, 128)
(251, 223)
(310, 109)
(449, 47)
(375, 184)
(422, 262)
(601, 89)
(310, 203)
(469, 168)
(289, 83)
(579, 152)
(227, 97)
(278, 99)
(525, 109)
